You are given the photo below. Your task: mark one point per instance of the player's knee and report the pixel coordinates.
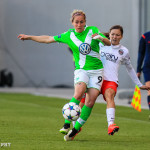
(78, 96)
(90, 103)
(109, 94)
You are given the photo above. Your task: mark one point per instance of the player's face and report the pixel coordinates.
(79, 23)
(115, 36)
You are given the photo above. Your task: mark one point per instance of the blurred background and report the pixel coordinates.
(30, 64)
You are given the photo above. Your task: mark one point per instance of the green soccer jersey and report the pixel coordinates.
(85, 49)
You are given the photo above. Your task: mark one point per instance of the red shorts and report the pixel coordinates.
(108, 84)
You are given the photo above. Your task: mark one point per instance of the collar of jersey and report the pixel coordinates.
(116, 46)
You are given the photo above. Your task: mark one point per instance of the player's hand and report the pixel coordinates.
(94, 35)
(97, 37)
(23, 37)
(144, 87)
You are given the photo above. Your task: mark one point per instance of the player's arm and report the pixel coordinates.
(126, 61)
(134, 77)
(41, 39)
(101, 38)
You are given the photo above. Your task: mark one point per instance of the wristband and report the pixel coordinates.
(98, 37)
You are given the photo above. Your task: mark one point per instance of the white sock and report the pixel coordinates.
(110, 112)
(73, 122)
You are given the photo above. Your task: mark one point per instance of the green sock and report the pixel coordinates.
(75, 101)
(67, 121)
(85, 113)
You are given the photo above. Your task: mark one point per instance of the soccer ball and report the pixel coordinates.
(71, 111)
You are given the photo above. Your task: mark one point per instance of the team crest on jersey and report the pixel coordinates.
(59, 36)
(85, 48)
(121, 52)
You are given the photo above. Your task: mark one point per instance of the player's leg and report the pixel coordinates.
(110, 111)
(94, 86)
(91, 97)
(79, 91)
(80, 81)
(81, 104)
(109, 91)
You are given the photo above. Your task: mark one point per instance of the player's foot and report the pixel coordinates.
(77, 133)
(65, 129)
(112, 129)
(71, 134)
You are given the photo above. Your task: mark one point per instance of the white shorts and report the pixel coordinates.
(92, 78)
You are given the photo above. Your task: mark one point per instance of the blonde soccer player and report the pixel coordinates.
(88, 74)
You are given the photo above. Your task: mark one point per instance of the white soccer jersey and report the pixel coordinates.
(112, 57)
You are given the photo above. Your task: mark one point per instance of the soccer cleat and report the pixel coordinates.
(65, 129)
(71, 134)
(77, 133)
(112, 129)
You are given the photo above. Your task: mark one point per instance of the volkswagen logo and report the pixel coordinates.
(84, 48)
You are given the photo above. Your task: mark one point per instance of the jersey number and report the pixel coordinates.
(100, 79)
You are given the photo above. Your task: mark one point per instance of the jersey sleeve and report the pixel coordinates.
(62, 38)
(126, 59)
(131, 70)
(96, 30)
(133, 75)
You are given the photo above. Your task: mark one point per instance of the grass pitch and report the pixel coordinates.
(31, 122)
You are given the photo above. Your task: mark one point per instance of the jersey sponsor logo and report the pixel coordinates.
(85, 48)
(109, 57)
(121, 52)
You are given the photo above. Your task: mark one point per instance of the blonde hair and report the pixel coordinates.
(77, 13)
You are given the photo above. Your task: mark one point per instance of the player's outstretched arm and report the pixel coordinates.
(40, 39)
(144, 87)
(105, 41)
(136, 80)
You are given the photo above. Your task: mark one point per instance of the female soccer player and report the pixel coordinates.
(112, 56)
(88, 73)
